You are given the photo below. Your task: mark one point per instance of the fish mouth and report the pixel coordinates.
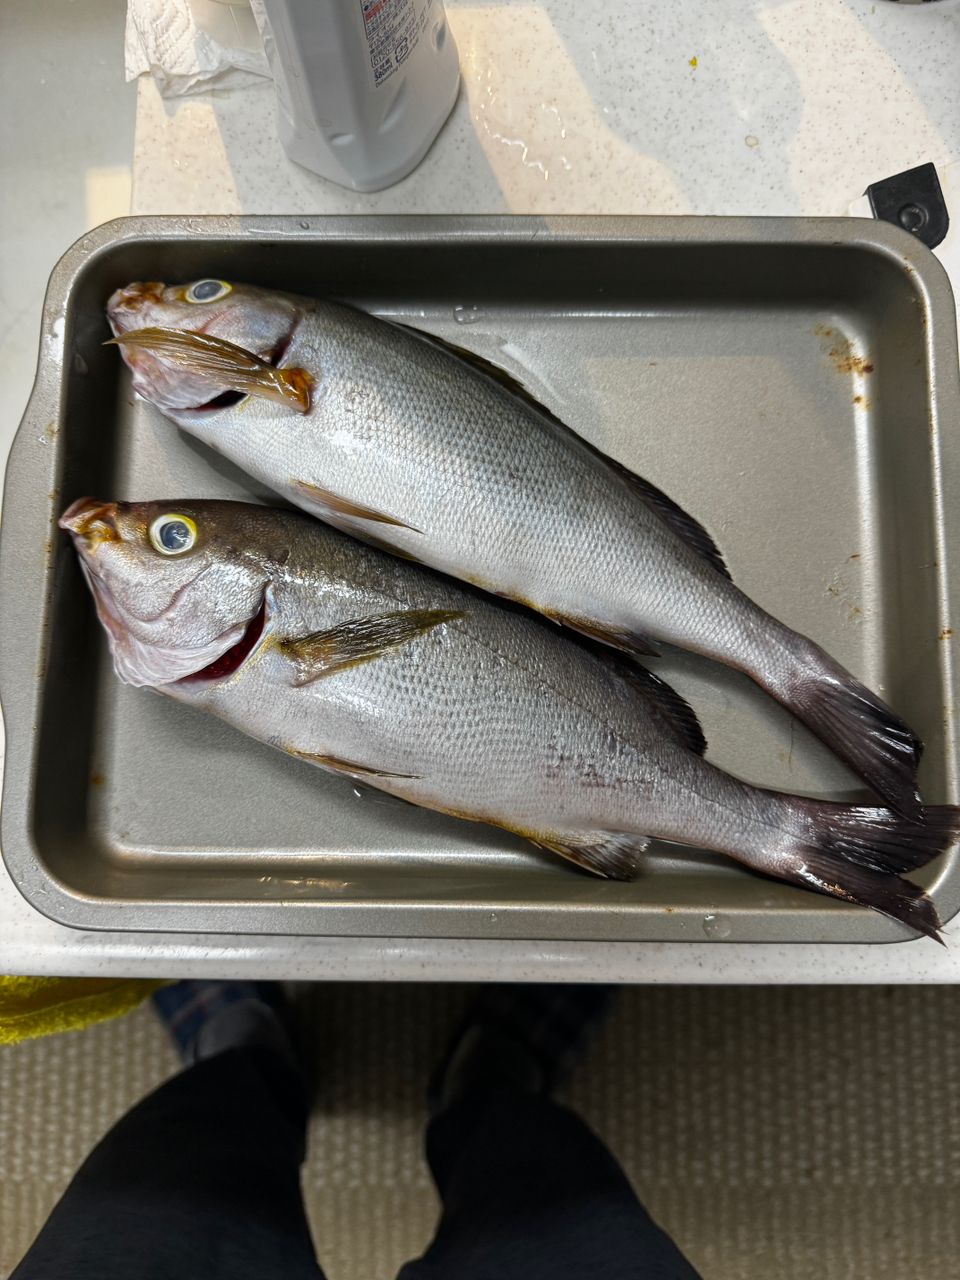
(131, 296)
(91, 522)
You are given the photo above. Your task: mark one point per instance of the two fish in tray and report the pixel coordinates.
(375, 665)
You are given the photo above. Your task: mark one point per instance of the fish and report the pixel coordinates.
(354, 661)
(440, 457)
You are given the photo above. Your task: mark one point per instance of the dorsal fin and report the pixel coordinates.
(670, 710)
(482, 365)
(681, 522)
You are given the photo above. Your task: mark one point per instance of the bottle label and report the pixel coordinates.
(393, 29)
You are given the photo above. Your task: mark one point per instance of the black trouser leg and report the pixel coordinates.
(531, 1193)
(200, 1181)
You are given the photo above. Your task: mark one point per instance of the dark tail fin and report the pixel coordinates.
(857, 725)
(890, 895)
(855, 853)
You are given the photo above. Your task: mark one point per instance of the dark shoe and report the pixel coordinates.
(523, 1036)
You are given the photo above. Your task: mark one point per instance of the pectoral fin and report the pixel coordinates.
(223, 362)
(359, 640)
(333, 504)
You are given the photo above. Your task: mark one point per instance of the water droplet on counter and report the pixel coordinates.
(86, 244)
(752, 140)
(467, 315)
(304, 226)
(715, 926)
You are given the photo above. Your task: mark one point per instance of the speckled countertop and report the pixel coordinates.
(697, 106)
(702, 106)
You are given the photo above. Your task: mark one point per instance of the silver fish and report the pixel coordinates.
(349, 659)
(410, 445)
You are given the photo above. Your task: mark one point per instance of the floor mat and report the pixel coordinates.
(789, 1132)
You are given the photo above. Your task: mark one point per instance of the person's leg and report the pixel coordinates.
(200, 1181)
(528, 1190)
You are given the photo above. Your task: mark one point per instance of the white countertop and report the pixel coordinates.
(702, 106)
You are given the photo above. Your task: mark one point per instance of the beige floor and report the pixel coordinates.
(780, 1133)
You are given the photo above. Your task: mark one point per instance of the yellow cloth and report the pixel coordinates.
(43, 1006)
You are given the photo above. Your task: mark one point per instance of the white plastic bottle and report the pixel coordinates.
(363, 86)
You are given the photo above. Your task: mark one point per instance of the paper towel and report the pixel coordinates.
(190, 46)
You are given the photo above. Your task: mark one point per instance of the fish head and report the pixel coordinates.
(179, 586)
(257, 320)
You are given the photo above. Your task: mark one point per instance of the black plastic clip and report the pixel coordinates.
(912, 200)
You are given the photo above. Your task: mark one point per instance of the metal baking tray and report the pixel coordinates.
(793, 383)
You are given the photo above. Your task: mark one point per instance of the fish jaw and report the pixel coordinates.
(148, 665)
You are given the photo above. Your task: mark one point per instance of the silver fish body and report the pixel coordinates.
(407, 445)
(358, 662)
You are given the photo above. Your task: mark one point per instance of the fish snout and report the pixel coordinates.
(91, 521)
(125, 305)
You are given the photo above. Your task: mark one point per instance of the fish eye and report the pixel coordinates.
(207, 291)
(172, 534)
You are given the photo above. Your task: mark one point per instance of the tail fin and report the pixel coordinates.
(855, 853)
(890, 895)
(858, 726)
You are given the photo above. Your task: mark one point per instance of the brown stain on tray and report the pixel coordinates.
(846, 361)
(841, 354)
